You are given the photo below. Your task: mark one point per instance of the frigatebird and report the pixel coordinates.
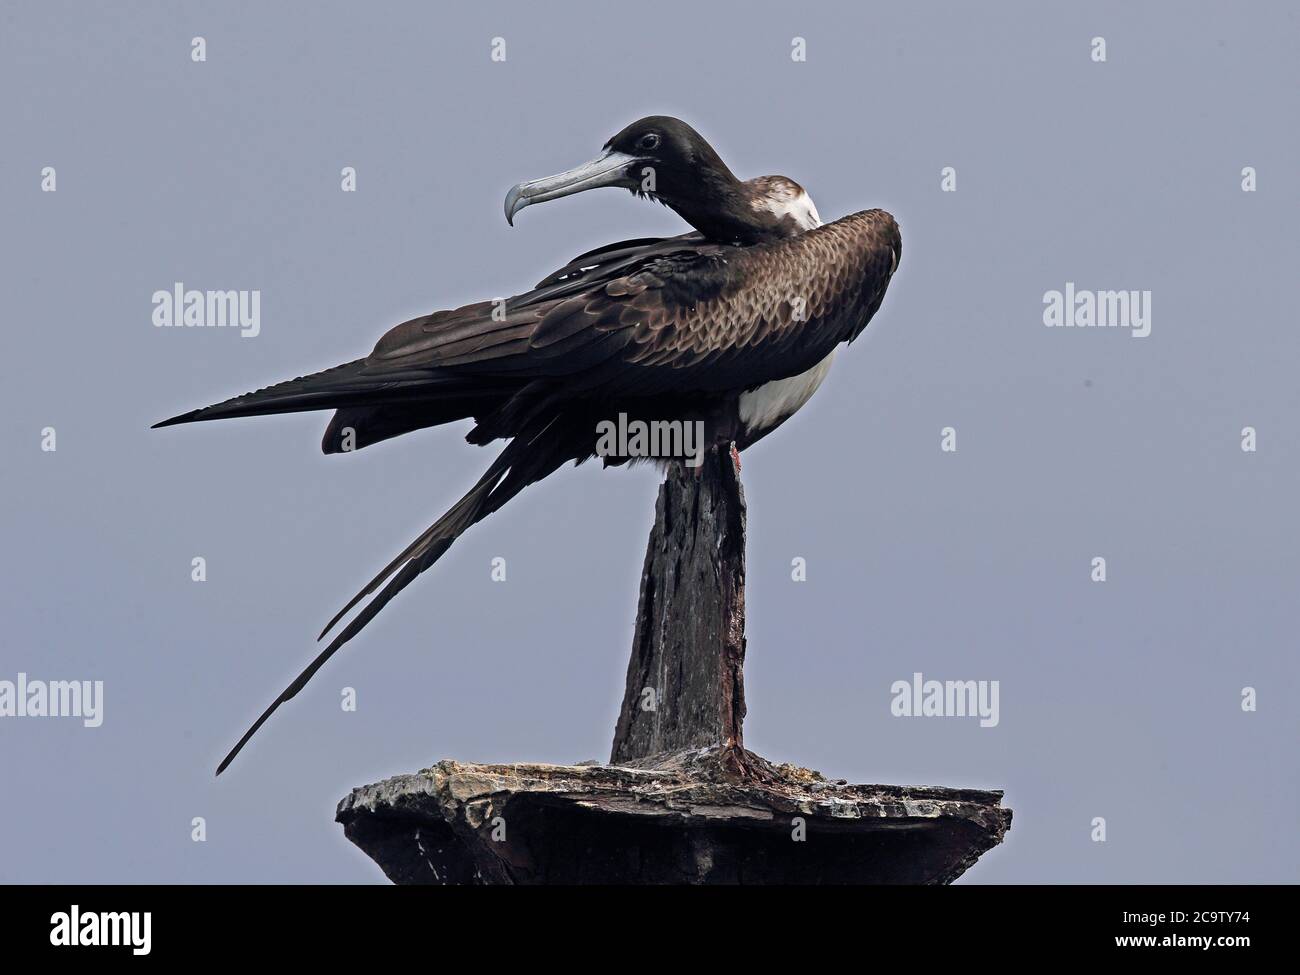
(732, 326)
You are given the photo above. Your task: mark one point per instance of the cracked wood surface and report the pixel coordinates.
(697, 821)
(685, 679)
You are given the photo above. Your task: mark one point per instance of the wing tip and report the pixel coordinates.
(172, 421)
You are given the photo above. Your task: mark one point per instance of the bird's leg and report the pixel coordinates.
(735, 456)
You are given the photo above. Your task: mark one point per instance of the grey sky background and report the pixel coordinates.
(1119, 699)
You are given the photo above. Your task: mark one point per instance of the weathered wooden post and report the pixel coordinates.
(685, 680)
(681, 800)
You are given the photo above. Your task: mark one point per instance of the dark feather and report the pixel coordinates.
(526, 459)
(670, 325)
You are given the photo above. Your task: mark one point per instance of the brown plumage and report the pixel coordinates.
(681, 328)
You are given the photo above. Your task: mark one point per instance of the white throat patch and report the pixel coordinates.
(784, 197)
(804, 213)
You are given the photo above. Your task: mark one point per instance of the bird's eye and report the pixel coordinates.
(648, 141)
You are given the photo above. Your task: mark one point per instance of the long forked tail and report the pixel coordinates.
(527, 458)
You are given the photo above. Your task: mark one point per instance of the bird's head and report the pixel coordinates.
(662, 158)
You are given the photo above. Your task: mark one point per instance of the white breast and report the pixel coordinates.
(769, 404)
